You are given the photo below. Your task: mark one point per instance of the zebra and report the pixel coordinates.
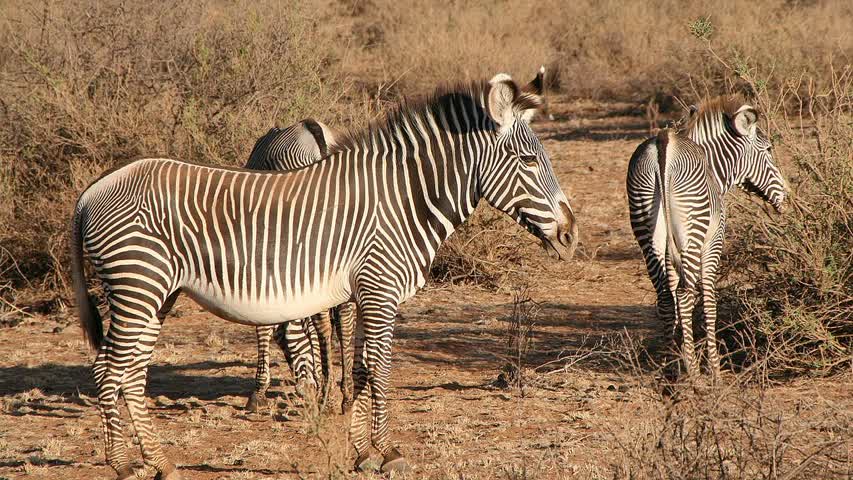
(676, 185)
(264, 248)
(305, 343)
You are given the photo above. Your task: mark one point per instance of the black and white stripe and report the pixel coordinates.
(305, 343)
(676, 185)
(267, 248)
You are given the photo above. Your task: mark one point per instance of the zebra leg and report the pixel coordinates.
(709, 303)
(122, 367)
(378, 323)
(258, 399)
(133, 388)
(360, 419)
(323, 326)
(107, 375)
(294, 338)
(685, 298)
(345, 315)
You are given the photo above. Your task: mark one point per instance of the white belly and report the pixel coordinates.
(269, 311)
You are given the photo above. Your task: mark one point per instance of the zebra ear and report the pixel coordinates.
(746, 120)
(502, 95)
(534, 96)
(537, 85)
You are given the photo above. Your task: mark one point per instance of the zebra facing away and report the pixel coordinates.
(676, 186)
(264, 248)
(306, 343)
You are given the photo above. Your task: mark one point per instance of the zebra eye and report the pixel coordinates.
(530, 160)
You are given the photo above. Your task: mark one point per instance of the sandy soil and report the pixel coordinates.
(448, 417)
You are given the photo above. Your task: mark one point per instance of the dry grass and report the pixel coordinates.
(639, 51)
(87, 85)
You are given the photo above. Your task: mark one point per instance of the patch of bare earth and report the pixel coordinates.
(575, 419)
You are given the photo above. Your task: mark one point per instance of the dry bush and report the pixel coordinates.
(519, 335)
(601, 49)
(488, 250)
(85, 86)
(790, 285)
(411, 46)
(734, 431)
(737, 428)
(614, 48)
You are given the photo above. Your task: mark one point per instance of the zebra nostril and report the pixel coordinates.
(566, 238)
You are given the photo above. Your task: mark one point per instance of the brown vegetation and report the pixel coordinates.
(85, 86)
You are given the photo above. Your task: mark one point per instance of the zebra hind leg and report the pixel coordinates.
(295, 340)
(107, 379)
(685, 301)
(258, 398)
(122, 367)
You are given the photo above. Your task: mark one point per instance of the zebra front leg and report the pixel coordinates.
(345, 317)
(685, 299)
(360, 419)
(258, 398)
(378, 321)
(323, 325)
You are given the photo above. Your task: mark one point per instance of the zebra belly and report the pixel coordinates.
(272, 310)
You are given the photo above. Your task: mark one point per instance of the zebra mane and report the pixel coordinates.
(710, 109)
(442, 101)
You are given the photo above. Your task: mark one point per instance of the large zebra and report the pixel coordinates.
(676, 186)
(306, 343)
(266, 248)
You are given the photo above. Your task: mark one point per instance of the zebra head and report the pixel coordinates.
(757, 172)
(519, 179)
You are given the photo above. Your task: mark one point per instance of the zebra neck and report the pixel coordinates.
(722, 150)
(436, 180)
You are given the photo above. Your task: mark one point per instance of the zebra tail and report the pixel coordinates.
(673, 252)
(90, 318)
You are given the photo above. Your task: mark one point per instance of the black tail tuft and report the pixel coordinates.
(90, 318)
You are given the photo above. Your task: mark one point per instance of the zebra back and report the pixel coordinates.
(298, 145)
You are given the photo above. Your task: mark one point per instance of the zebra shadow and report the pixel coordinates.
(479, 341)
(175, 382)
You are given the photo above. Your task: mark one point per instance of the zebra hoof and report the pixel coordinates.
(363, 464)
(395, 462)
(169, 473)
(257, 402)
(125, 473)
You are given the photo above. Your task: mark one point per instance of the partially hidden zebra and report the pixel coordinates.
(306, 343)
(676, 186)
(264, 248)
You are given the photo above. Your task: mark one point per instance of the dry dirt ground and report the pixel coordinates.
(447, 415)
